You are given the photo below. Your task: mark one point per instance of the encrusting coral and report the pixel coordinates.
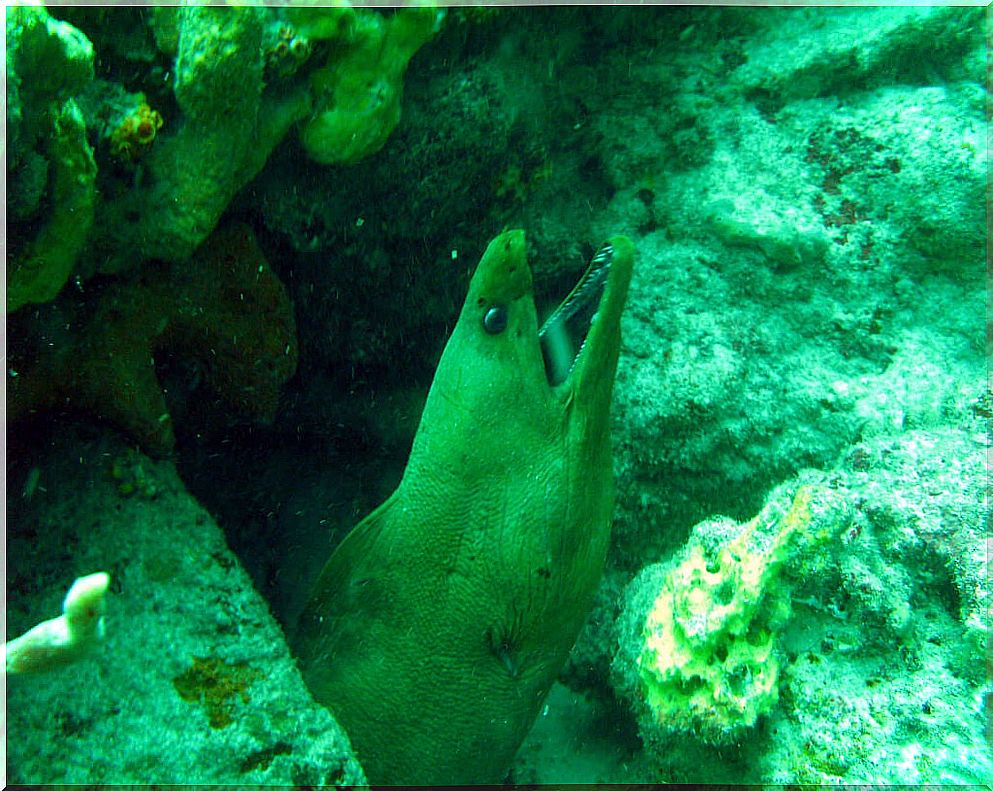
(157, 204)
(224, 308)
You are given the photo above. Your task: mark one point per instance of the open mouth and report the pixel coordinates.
(564, 332)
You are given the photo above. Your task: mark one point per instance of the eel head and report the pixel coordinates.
(504, 376)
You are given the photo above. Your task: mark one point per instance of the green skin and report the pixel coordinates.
(438, 626)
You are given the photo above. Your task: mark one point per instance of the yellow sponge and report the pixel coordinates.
(707, 663)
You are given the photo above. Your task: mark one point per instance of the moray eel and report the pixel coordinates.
(437, 627)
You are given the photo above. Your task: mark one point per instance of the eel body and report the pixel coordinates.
(437, 627)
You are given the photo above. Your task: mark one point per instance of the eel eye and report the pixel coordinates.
(495, 320)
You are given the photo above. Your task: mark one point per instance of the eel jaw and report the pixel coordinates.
(564, 335)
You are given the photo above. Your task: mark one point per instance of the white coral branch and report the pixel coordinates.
(65, 639)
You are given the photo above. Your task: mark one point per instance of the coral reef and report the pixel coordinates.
(225, 132)
(241, 79)
(52, 173)
(224, 309)
(823, 312)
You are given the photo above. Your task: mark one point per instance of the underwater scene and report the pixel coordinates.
(496, 395)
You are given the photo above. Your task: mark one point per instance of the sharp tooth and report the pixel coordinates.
(605, 253)
(557, 343)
